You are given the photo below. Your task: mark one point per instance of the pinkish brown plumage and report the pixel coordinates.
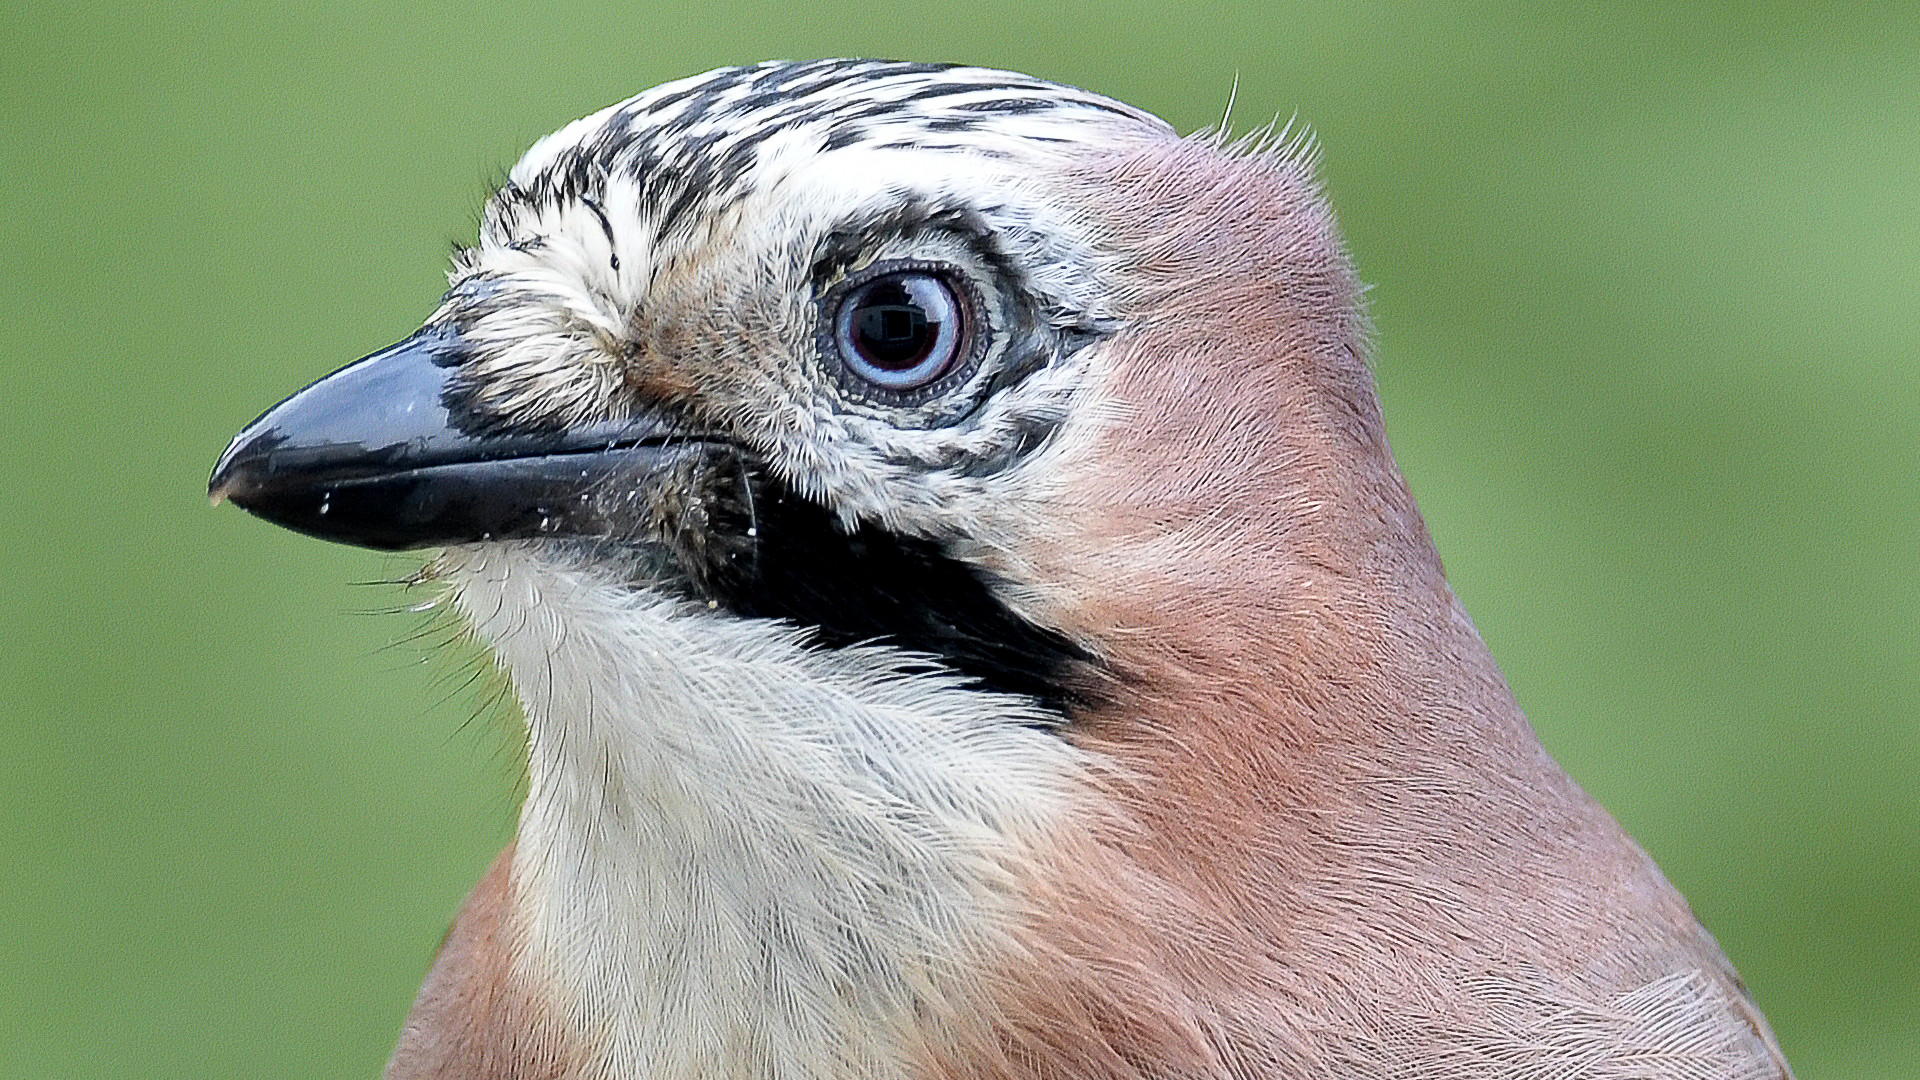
(1337, 847)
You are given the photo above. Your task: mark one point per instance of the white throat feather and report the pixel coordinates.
(745, 856)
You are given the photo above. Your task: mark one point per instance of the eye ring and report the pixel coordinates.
(901, 330)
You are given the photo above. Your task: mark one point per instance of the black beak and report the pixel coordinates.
(375, 455)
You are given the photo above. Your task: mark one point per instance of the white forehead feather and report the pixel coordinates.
(650, 177)
(830, 104)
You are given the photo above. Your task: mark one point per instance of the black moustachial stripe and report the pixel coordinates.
(755, 548)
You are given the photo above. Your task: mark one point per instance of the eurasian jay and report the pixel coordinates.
(940, 529)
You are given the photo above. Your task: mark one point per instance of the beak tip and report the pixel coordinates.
(225, 478)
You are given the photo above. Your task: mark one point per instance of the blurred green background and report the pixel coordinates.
(1647, 281)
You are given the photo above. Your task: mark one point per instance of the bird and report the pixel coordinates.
(940, 529)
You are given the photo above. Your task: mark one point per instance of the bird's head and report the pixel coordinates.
(936, 355)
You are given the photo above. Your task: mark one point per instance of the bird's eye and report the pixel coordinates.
(900, 331)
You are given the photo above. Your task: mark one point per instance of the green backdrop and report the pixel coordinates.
(1647, 282)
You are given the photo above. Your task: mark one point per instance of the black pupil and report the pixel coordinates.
(891, 330)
